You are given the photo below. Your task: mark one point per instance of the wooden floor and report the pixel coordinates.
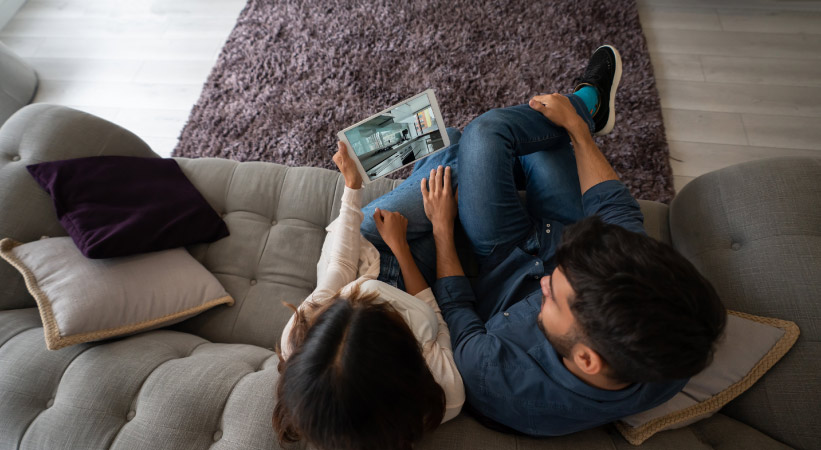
(739, 80)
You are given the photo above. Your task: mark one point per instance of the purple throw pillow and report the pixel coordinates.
(122, 205)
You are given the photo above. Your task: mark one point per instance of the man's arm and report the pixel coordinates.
(590, 162)
(452, 289)
(602, 192)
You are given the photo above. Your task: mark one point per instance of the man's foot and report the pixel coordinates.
(603, 73)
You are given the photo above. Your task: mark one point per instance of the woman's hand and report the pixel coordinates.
(438, 199)
(393, 227)
(348, 168)
(558, 109)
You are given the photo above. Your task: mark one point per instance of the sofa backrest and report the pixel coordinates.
(277, 217)
(754, 230)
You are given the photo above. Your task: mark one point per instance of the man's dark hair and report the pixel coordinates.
(356, 379)
(639, 303)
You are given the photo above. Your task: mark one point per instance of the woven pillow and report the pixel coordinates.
(750, 347)
(82, 300)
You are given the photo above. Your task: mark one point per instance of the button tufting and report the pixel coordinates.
(16, 158)
(273, 222)
(736, 246)
(218, 435)
(50, 403)
(506, 313)
(253, 282)
(130, 415)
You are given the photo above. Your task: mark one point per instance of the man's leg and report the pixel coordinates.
(491, 145)
(407, 200)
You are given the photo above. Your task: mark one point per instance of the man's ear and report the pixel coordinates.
(586, 359)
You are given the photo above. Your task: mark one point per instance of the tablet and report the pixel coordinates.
(396, 137)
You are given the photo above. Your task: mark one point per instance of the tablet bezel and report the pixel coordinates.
(434, 105)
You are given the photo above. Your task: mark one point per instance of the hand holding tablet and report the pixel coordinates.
(398, 136)
(347, 166)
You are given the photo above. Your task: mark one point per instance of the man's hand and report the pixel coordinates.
(348, 168)
(393, 227)
(558, 109)
(438, 199)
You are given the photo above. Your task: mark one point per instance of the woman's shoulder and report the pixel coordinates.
(419, 316)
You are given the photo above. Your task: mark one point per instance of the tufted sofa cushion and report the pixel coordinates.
(170, 390)
(754, 230)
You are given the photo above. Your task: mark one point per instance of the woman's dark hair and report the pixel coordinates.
(356, 379)
(638, 303)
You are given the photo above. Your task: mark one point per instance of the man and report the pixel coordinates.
(577, 318)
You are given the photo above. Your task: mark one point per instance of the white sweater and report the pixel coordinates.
(347, 259)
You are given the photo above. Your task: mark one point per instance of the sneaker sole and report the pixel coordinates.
(611, 118)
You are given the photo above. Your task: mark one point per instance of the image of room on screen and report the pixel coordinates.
(396, 138)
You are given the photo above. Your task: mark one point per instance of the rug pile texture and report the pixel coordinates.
(294, 72)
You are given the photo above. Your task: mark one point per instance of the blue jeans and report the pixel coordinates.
(499, 152)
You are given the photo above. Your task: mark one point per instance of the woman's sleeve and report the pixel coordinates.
(339, 262)
(439, 356)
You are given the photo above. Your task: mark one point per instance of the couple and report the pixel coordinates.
(576, 318)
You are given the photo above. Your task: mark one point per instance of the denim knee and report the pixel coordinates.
(453, 135)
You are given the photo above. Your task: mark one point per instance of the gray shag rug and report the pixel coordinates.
(294, 72)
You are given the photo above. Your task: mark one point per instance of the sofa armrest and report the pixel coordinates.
(656, 220)
(39, 133)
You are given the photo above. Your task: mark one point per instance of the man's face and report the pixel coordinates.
(555, 318)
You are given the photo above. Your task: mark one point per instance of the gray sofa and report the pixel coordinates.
(753, 229)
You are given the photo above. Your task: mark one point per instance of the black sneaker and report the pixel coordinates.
(603, 72)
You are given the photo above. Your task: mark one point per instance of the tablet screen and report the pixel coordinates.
(397, 136)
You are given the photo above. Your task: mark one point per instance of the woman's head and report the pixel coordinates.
(356, 379)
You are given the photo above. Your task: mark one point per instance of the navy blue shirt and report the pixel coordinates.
(511, 373)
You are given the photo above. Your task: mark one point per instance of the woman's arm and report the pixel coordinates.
(339, 261)
(393, 227)
(439, 356)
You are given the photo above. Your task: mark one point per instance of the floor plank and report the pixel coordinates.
(770, 21)
(109, 94)
(67, 69)
(754, 5)
(741, 98)
(677, 67)
(730, 43)
(681, 181)
(693, 158)
(667, 18)
(704, 126)
(783, 131)
(772, 71)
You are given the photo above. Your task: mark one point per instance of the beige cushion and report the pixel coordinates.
(82, 300)
(751, 345)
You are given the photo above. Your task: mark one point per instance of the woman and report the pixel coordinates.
(363, 364)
